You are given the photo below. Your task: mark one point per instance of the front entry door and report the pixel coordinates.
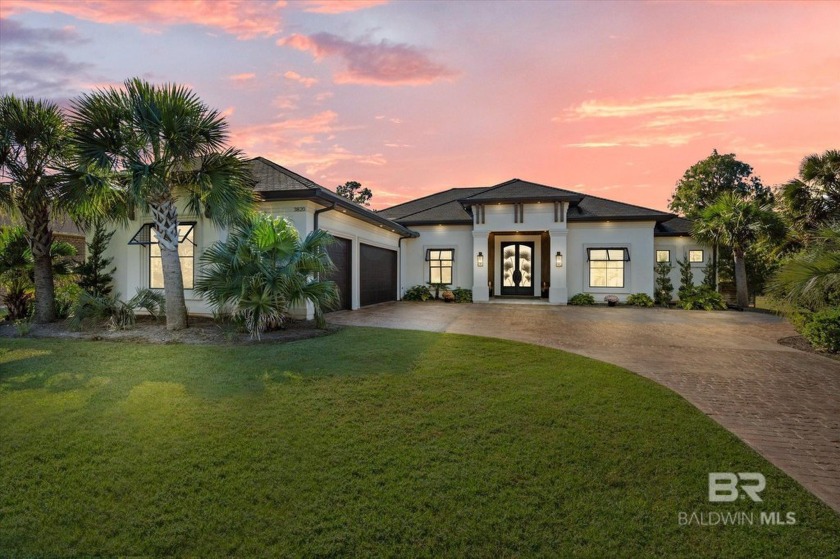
(518, 269)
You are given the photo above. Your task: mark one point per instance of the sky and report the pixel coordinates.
(410, 98)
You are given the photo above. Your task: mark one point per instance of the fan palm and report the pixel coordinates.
(33, 145)
(158, 146)
(263, 268)
(811, 200)
(737, 223)
(811, 277)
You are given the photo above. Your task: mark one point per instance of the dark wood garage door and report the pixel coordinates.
(378, 267)
(341, 254)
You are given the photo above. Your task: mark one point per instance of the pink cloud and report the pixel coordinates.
(243, 19)
(340, 6)
(242, 77)
(304, 81)
(367, 63)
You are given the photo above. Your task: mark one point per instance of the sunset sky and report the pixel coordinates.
(409, 98)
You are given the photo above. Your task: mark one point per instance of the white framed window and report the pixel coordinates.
(186, 254)
(696, 256)
(663, 256)
(606, 266)
(440, 264)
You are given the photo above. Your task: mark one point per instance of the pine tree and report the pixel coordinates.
(93, 276)
(664, 288)
(687, 288)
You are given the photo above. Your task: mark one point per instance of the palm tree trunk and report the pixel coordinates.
(741, 287)
(40, 243)
(165, 217)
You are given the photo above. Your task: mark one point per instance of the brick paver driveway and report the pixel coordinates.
(783, 402)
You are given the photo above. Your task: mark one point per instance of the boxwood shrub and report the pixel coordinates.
(822, 329)
(582, 299)
(640, 300)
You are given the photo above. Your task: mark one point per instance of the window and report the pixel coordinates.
(695, 256)
(440, 265)
(606, 266)
(186, 253)
(663, 255)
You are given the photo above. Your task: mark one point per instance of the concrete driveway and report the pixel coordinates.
(783, 402)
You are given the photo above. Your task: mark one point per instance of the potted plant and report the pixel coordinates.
(611, 300)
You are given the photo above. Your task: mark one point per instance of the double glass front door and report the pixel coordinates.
(517, 269)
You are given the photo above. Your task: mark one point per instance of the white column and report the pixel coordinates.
(557, 292)
(480, 290)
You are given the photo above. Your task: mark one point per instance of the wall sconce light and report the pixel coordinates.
(558, 260)
(479, 260)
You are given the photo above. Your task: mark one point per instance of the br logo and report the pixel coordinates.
(724, 486)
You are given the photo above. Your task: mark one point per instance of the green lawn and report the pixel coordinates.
(367, 442)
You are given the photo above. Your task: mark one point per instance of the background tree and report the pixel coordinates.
(812, 200)
(263, 268)
(706, 180)
(737, 223)
(810, 278)
(354, 192)
(702, 184)
(94, 276)
(161, 145)
(33, 146)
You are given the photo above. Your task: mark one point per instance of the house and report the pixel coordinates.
(514, 239)
(522, 239)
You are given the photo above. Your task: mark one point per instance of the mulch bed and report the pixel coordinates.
(202, 330)
(800, 343)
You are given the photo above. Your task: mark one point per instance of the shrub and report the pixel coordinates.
(687, 289)
(263, 268)
(417, 293)
(462, 295)
(582, 299)
(116, 314)
(703, 298)
(664, 290)
(640, 300)
(94, 276)
(822, 329)
(67, 292)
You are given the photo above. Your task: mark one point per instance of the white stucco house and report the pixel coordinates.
(514, 239)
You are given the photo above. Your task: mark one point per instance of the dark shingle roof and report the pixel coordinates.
(275, 182)
(676, 227)
(594, 208)
(518, 189)
(448, 207)
(272, 177)
(435, 208)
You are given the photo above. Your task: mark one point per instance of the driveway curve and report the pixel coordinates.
(783, 402)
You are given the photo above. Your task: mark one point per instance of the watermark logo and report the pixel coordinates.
(729, 487)
(724, 486)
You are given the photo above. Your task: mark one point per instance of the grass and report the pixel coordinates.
(367, 442)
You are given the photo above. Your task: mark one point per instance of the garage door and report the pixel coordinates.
(340, 252)
(378, 268)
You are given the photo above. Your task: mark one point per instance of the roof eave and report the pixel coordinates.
(532, 200)
(326, 199)
(656, 218)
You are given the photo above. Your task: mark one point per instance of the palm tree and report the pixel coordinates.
(17, 269)
(811, 200)
(737, 223)
(33, 146)
(161, 145)
(810, 279)
(263, 268)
